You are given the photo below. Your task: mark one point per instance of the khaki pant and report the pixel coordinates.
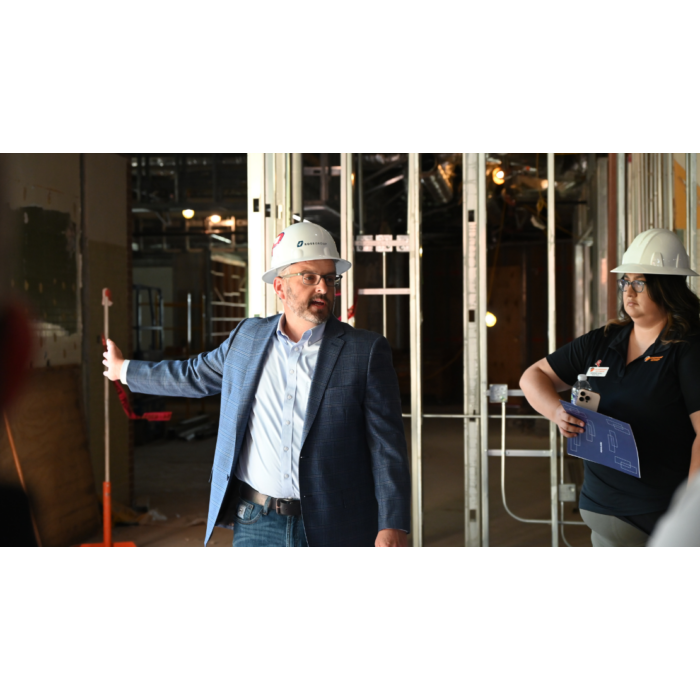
(609, 531)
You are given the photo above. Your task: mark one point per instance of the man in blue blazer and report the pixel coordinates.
(310, 424)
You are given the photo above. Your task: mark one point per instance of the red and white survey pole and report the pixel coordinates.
(106, 484)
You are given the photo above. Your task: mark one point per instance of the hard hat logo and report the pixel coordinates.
(304, 242)
(657, 251)
(278, 240)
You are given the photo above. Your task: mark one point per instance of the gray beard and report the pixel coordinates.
(304, 312)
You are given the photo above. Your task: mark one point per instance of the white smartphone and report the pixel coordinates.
(588, 399)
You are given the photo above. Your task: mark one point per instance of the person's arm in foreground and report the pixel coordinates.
(540, 385)
(680, 525)
(695, 454)
(197, 377)
(387, 446)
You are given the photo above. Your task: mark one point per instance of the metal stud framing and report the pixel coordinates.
(644, 199)
(691, 198)
(297, 187)
(347, 247)
(621, 207)
(270, 197)
(257, 250)
(668, 191)
(483, 357)
(472, 330)
(414, 255)
(552, 338)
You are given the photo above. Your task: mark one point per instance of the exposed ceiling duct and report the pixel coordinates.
(438, 180)
(383, 158)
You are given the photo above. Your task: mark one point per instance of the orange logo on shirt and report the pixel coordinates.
(653, 359)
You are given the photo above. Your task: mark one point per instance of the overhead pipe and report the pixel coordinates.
(384, 158)
(438, 180)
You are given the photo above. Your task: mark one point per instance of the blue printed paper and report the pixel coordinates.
(606, 441)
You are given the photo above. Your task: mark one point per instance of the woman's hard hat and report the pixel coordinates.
(657, 251)
(303, 242)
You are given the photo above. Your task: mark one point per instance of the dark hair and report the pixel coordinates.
(680, 304)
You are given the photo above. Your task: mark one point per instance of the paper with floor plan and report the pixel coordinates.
(606, 441)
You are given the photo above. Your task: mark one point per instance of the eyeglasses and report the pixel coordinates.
(311, 279)
(637, 285)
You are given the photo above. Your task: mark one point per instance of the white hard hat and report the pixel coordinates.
(657, 251)
(303, 242)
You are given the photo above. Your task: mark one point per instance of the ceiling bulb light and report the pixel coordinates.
(188, 213)
(544, 184)
(215, 218)
(490, 319)
(499, 176)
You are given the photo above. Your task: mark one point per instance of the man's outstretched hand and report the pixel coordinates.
(391, 538)
(113, 361)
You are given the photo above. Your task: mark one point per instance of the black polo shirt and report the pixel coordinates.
(656, 397)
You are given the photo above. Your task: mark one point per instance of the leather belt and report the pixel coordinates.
(282, 506)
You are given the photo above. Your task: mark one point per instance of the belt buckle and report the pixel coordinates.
(279, 501)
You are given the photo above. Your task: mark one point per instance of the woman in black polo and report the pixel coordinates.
(648, 375)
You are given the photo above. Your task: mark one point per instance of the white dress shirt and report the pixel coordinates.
(269, 458)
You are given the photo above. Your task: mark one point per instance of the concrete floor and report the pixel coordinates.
(172, 478)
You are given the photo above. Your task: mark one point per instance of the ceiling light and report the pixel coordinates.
(490, 319)
(544, 184)
(188, 213)
(499, 176)
(215, 218)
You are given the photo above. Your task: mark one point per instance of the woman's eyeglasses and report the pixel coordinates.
(311, 279)
(637, 285)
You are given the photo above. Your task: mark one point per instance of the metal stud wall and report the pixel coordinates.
(643, 199)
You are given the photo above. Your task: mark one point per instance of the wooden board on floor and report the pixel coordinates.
(49, 434)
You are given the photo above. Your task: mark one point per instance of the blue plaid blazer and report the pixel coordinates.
(353, 467)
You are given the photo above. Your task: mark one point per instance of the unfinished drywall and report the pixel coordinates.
(107, 262)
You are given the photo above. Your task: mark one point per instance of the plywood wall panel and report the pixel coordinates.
(52, 447)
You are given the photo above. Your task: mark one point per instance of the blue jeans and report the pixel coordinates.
(256, 526)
